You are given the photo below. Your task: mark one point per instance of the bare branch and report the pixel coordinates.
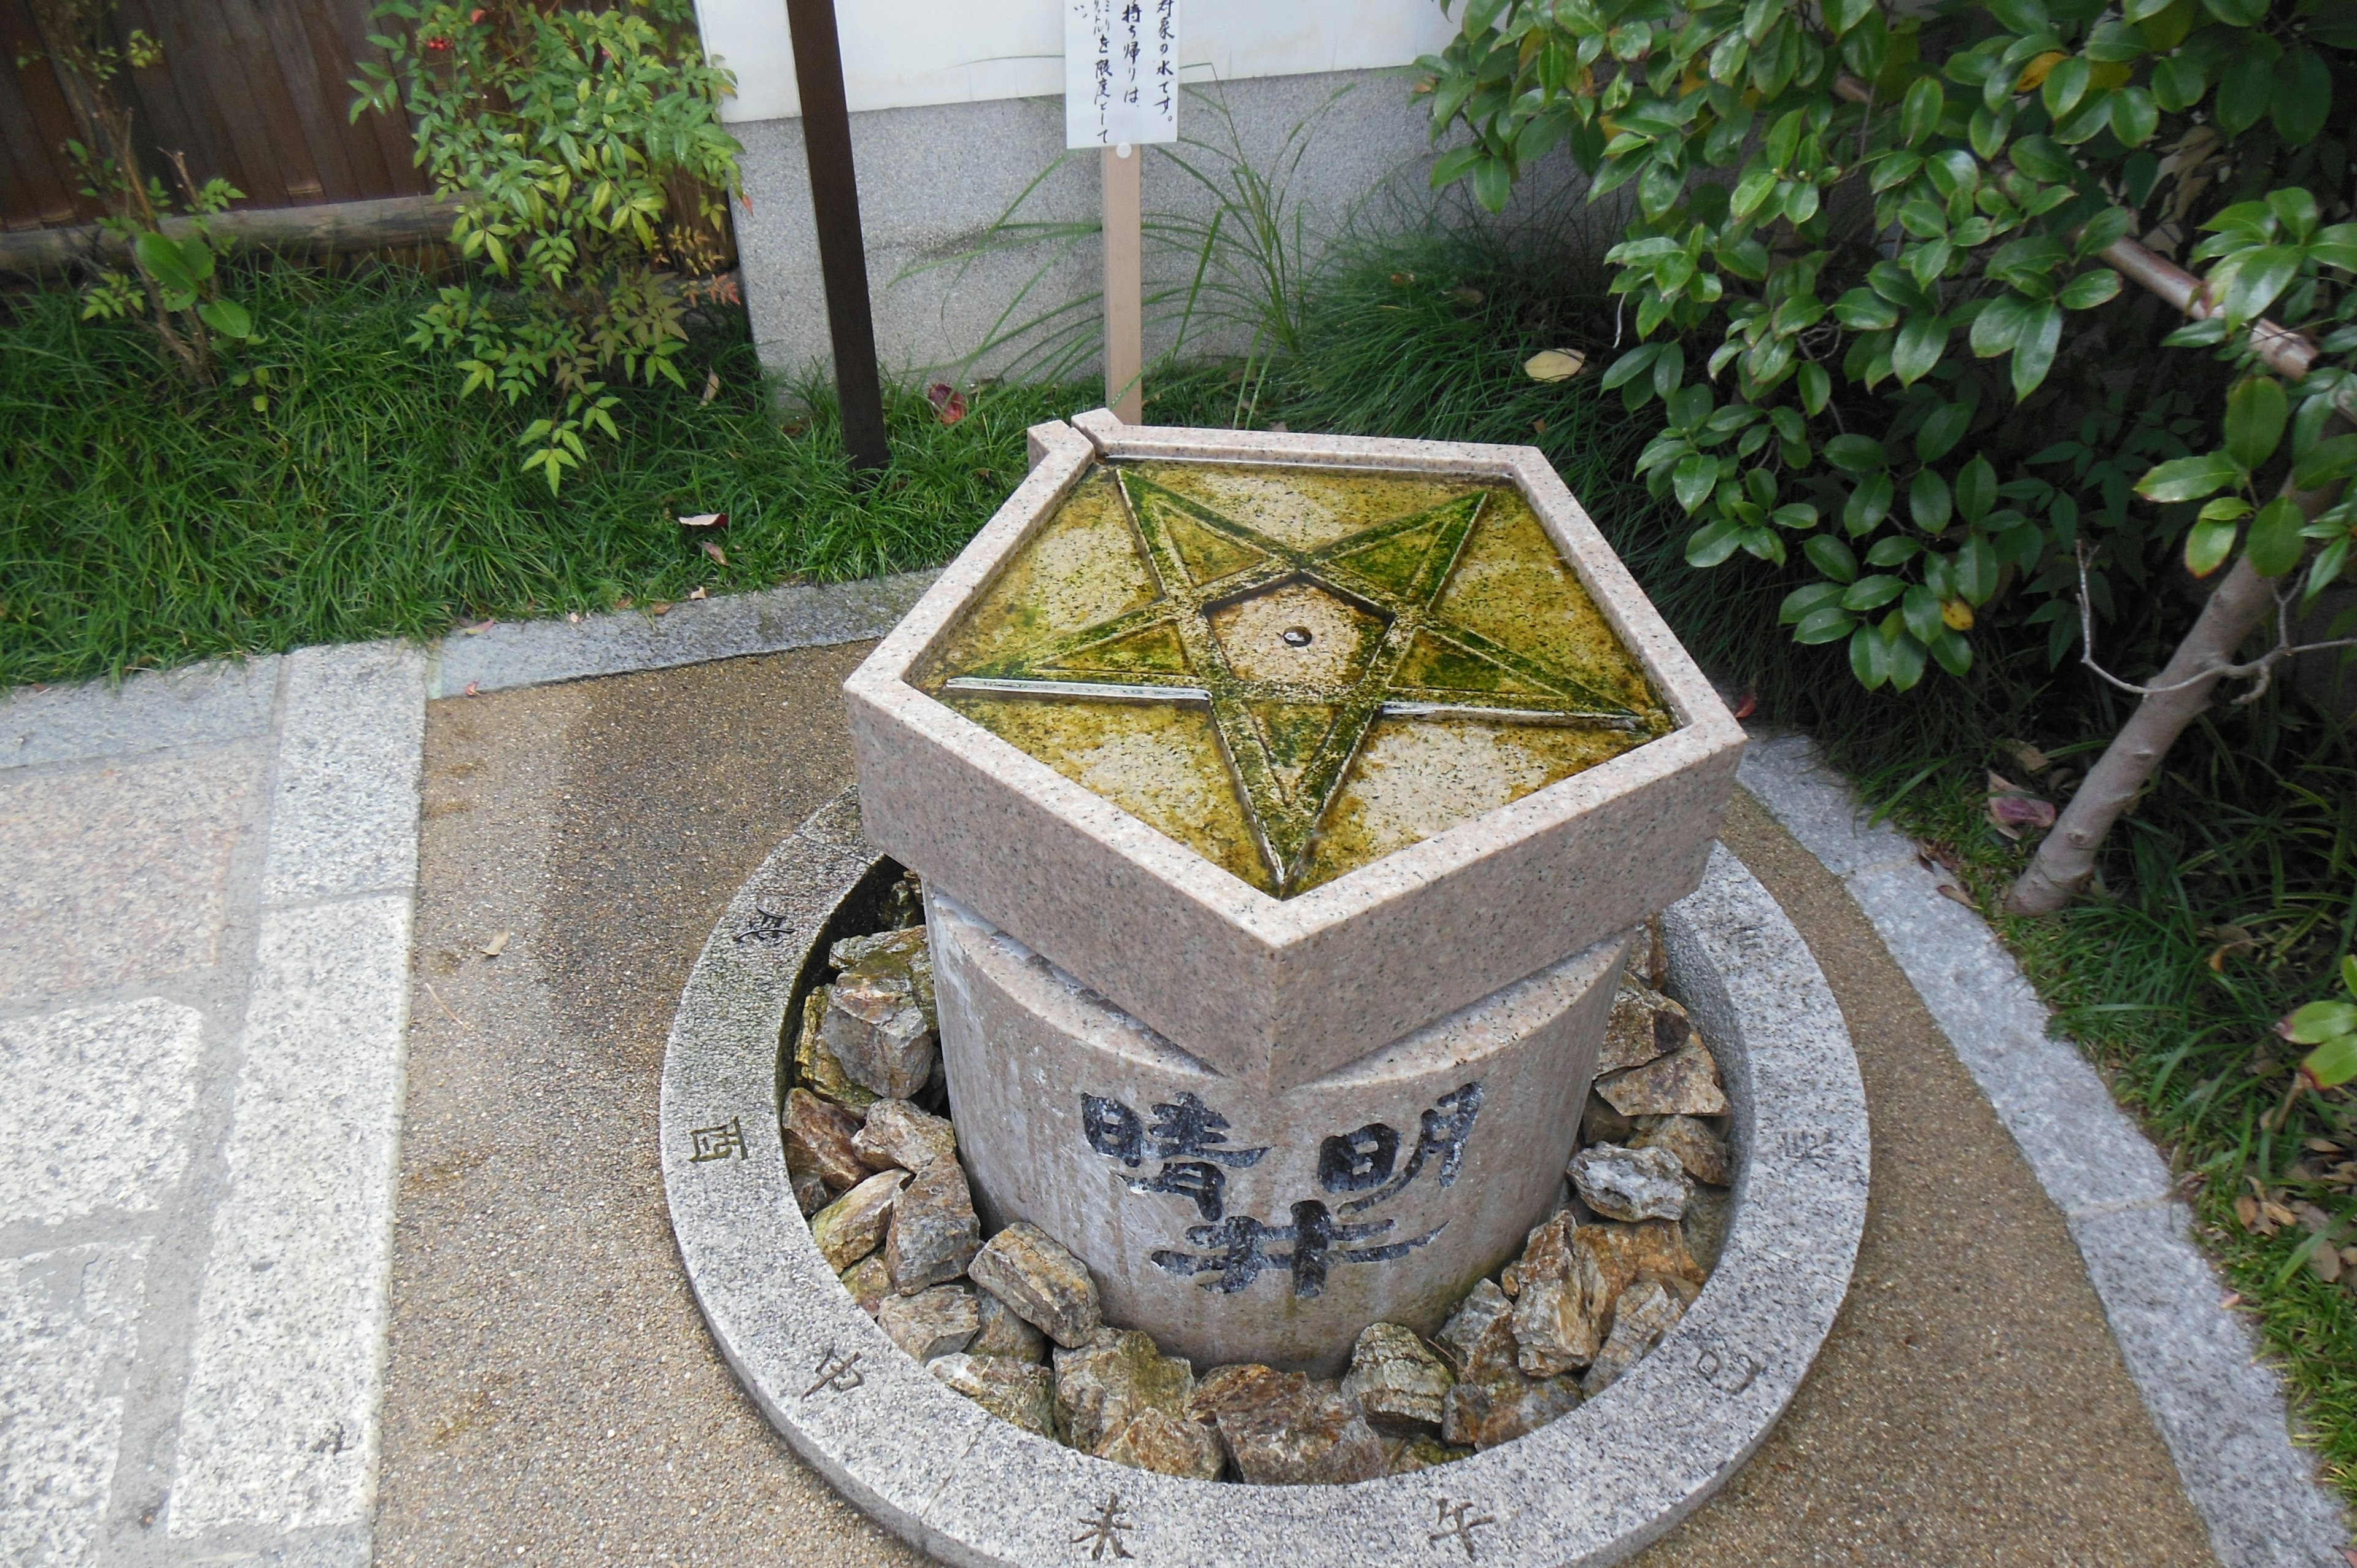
(2261, 670)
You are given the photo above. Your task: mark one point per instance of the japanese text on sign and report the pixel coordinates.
(1120, 71)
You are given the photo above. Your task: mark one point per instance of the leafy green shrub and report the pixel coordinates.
(1885, 234)
(587, 148)
(172, 284)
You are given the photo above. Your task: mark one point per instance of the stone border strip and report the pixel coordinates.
(260, 1263)
(541, 653)
(278, 1429)
(2220, 1411)
(973, 1491)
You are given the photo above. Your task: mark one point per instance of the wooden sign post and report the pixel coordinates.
(1120, 93)
(842, 251)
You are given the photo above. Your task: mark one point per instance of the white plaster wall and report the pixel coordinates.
(900, 54)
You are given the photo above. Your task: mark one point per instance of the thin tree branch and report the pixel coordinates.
(2262, 667)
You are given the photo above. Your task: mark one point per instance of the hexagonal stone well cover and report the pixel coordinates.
(1290, 745)
(1294, 670)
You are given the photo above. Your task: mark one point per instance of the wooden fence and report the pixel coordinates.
(253, 90)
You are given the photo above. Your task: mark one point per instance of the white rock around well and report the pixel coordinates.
(933, 1467)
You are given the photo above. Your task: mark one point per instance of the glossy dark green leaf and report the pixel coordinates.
(1975, 490)
(1975, 569)
(2177, 83)
(2277, 544)
(1869, 657)
(1922, 338)
(2064, 86)
(2263, 275)
(1855, 453)
(2330, 460)
(1713, 544)
(2189, 478)
(1998, 326)
(2040, 158)
(1868, 504)
(2134, 116)
(1872, 593)
(1920, 607)
(2208, 544)
(1919, 111)
(1817, 387)
(2238, 13)
(2090, 288)
(1832, 557)
(1940, 432)
(2303, 96)
(1694, 478)
(2257, 411)
(1929, 501)
(1830, 623)
(2244, 84)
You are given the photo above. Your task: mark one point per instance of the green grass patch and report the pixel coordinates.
(145, 523)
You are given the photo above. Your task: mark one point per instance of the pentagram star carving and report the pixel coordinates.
(1297, 653)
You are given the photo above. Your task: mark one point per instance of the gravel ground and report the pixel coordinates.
(552, 1396)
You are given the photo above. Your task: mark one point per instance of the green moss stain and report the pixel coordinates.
(1512, 585)
(1311, 668)
(1162, 763)
(1078, 569)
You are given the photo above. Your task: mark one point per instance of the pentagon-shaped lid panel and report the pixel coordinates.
(1293, 671)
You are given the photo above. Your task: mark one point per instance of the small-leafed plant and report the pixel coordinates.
(1882, 229)
(173, 285)
(2331, 1027)
(587, 151)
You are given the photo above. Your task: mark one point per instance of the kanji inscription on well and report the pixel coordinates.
(1359, 1170)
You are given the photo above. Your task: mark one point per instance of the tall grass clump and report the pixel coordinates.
(145, 522)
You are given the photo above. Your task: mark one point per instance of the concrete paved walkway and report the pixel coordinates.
(204, 967)
(202, 1029)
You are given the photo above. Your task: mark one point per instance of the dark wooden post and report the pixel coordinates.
(841, 252)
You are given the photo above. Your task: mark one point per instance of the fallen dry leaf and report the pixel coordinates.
(2246, 1210)
(1554, 364)
(697, 593)
(714, 521)
(479, 628)
(711, 386)
(949, 404)
(1538, 427)
(661, 608)
(712, 548)
(498, 944)
(574, 616)
(2325, 1265)
(2010, 809)
(2321, 1147)
(470, 689)
(1950, 890)
(2278, 1213)
(1466, 294)
(2029, 755)
(1748, 706)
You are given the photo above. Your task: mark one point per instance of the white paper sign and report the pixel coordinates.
(1120, 71)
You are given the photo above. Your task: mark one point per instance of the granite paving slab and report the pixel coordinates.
(204, 961)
